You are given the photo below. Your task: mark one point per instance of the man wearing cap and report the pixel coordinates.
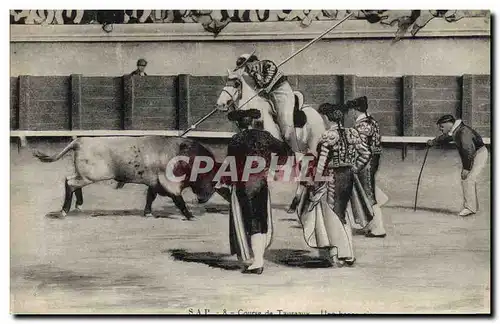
(473, 154)
(141, 66)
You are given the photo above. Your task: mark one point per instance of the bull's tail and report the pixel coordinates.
(47, 158)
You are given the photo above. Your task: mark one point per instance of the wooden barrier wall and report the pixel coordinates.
(202, 95)
(44, 103)
(151, 103)
(430, 99)
(384, 101)
(318, 89)
(14, 103)
(96, 102)
(404, 106)
(479, 92)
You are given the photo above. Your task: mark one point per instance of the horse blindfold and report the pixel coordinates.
(237, 115)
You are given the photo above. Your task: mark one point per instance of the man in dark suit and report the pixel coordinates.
(250, 219)
(141, 66)
(473, 154)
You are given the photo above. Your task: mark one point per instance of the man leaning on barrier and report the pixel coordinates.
(473, 154)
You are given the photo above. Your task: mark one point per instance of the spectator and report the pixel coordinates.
(141, 66)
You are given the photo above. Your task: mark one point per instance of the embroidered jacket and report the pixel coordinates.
(338, 148)
(369, 131)
(265, 73)
(343, 147)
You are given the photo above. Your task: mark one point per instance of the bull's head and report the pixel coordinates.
(204, 185)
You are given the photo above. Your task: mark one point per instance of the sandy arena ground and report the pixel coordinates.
(432, 261)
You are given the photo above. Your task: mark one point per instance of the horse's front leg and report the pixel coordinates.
(300, 190)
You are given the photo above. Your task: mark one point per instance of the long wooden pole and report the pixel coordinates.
(199, 122)
(419, 176)
(283, 62)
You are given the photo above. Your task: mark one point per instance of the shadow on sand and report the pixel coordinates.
(169, 211)
(212, 259)
(296, 258)
(428, 209)
(224, 208)
(216, 208)
(108, 213)
(286, 257)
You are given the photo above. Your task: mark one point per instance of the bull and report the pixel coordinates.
(140, 160)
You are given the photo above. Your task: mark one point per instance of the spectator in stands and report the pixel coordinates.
(473, 153)
(141, 66)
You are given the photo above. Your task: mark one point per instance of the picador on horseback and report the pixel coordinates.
(274, 86)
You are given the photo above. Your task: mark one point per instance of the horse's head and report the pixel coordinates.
(240, 87)
(232, 91)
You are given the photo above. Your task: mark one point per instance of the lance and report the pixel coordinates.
(285, 61)
(199, 122)
(419, 176)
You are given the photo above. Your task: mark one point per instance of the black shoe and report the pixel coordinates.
(373, 235)
(254, 271)
(293, 206)
(347, 262)
(350, 262)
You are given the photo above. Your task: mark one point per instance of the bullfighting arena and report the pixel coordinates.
(109, 259)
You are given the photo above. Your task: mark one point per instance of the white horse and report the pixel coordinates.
(240, 87)
(237, 90)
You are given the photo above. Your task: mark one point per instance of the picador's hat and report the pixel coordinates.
(446, 119)
(237, 115)
(243, 59)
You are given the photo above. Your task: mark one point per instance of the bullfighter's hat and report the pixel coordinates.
(326, 107)
(243, 59)
(237, 115)
(360, 104)
(334, 112)
(446, 119)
